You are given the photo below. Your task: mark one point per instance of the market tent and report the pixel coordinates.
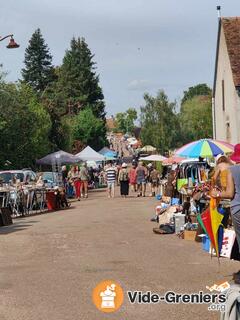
(204, 148)
(106, 152)
(88, 154)
(155, 157)
(148, 148)
(60, 157)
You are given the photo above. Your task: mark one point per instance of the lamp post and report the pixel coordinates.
(12, 44)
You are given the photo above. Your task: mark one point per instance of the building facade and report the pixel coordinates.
(226, 90)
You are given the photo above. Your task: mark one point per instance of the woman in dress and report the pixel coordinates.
(123, 179)
(133, 177)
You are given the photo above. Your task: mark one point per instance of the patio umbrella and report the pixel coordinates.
(172, 160)
(156, 157)
(61, 157)
(204, 148)
(211, 221)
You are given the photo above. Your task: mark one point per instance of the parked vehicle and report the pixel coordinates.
(50, 179)
(24, 175)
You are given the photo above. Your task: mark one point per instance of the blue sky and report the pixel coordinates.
(139, 45)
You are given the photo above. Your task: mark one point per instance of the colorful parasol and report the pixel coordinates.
(211, 221)
(204, 148)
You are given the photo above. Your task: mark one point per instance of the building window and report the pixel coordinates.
(228, 132)
(223, 96)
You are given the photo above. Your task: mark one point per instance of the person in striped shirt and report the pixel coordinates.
(111, 175)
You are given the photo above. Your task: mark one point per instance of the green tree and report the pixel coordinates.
(89, 129)
(125, 120)
(196, 118)
(199, 90)
(159, 122)
(24, 126)
(38, 71)
(78, 82)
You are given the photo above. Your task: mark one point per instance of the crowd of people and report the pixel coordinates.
(78, 179)
(137, 177)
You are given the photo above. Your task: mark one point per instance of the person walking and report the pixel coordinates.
(141, 173)
(70, 182)
(133, 176)
(233, 192)
(84, 177)
(77, 182)
(171, 184)
(123, 179)
(111, 175)
(154, 180)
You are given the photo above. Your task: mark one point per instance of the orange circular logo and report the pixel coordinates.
(108, 296)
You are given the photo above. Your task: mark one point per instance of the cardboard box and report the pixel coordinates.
(190, 235)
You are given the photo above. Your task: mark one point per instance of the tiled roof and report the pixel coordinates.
(231, 28)
(111, 123)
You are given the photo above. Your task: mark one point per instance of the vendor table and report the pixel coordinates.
(23, 200)
(51, 200)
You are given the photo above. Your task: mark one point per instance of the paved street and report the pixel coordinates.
(50, 263)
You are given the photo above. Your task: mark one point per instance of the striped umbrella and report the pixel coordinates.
(204, 148)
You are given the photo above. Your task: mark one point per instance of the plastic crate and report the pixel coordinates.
(206, 243)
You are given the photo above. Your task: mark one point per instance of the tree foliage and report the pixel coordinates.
(196, 118)
(38, 71)
(199, 90)
(159, 122)
(78, 82)
(125, 120)
(89, 129)
(24, 126)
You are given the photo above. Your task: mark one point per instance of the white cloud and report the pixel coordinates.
(139, 85)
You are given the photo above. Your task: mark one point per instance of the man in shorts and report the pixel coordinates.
(141, 173)
(111, 175)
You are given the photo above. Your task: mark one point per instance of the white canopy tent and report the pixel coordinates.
(88, 154)
(154, 157)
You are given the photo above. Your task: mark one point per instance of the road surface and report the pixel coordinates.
(50, 263)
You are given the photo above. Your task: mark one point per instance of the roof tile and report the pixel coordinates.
(231, 27)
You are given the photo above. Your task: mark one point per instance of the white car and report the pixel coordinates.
(22, 175)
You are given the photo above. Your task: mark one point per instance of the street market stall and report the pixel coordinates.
(56, 160)
(88, 154)
(197, 216)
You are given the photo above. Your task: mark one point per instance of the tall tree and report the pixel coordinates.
(160, 126)
(89, 130)
(24, 126)
(78, 81)
(196, 118)
(125, 120)
(38, 71)
(199, 90)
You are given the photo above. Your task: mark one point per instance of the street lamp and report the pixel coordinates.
(12, 44)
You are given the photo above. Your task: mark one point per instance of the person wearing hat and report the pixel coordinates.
(233, 192)
(123, 179)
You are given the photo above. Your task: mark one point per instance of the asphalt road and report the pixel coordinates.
(50, 263)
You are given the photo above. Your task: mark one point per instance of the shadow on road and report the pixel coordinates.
(15, 227)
